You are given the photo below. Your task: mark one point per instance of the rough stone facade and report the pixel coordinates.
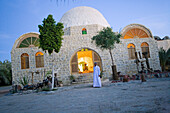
(165, 44)
(73, 42)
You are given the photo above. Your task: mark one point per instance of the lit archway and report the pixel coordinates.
(83, 61)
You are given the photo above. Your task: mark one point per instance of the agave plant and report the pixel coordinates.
(24, 81)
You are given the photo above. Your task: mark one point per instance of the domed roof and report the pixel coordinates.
(83, 16)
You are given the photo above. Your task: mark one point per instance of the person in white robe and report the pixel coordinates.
(96, 76)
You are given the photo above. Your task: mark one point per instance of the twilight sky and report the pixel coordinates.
(23, 16)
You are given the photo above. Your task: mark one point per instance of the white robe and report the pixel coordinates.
(96, 78)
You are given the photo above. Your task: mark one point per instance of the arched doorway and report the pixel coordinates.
(83, 61)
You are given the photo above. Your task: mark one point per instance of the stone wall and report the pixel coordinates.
(128, 66)
(164, 43)
(73, 42)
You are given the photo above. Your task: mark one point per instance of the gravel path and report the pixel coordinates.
(152, 96)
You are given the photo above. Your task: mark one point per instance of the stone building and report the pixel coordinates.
(78, 54)
(165, 44)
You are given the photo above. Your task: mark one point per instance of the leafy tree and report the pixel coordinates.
(51, 37)
(106, 39)
(164, 57)
(5, 73)
(157, 38)
(166, 37)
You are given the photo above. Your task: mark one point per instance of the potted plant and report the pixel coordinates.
(60, 83)
(72, 78)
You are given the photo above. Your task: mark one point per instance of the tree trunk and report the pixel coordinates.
(32, 77)
(114, 71)
(53, 73)
(111, 56)
(137, 61)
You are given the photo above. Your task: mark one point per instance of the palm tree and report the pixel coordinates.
(164, 57)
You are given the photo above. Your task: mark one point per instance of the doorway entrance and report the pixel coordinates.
(83, 61)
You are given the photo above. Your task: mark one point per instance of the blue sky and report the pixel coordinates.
(23, 16)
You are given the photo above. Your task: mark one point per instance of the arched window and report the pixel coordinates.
(135, 33)
(145, 48)
(24, 61)
(84, 31)
(29, 42)
(39, 57)
(83, 61)
(131, 51)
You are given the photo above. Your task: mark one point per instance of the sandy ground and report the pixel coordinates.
(4, 90)
(152, 96)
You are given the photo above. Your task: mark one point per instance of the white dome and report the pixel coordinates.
(83, 16)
